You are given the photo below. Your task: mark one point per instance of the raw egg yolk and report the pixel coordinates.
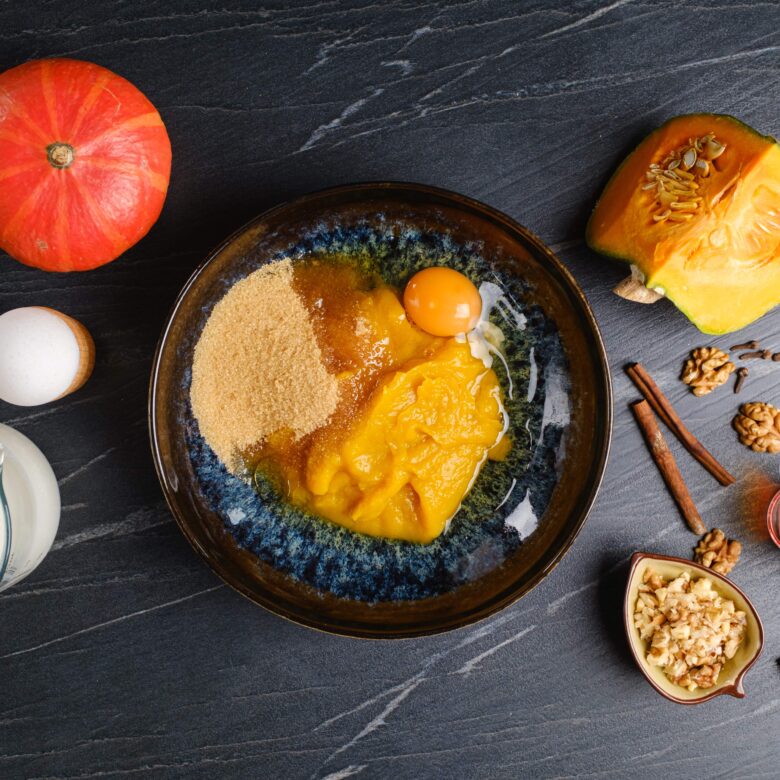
(442, 302)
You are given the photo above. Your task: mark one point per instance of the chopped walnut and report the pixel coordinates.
(758, 426)
(718, 553)
(704, 676)
(706, 369)
(690, 630)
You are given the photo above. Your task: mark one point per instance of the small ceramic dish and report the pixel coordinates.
(733, 672)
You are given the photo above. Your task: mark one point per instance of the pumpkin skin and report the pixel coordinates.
(85, 162)
(721, 268)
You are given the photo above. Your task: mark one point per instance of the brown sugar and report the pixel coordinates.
(258, 368)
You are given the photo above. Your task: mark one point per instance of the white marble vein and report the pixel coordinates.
(473, 663)
(328, 127)
(598, 13)
(348, 771)
(140, 520)
(112, 622)
(86, 467)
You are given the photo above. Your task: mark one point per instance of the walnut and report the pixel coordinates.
(706, 369)
(688, 628)
(717, 553)
(704, 676)
(758, 426)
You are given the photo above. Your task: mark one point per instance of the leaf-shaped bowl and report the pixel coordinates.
(733, 672)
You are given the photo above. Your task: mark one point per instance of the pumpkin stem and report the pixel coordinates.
(60, 154)
(633, 289)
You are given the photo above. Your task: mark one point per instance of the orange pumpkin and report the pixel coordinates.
(695, 209)
(85, 163)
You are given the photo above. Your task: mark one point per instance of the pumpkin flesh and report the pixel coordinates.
(84, 164)
(722, 267)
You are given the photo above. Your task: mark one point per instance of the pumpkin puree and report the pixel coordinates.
(416, 419)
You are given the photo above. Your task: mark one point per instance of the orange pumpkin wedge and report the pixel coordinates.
(695, 209)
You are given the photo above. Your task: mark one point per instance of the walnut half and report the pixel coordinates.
(758, 426)
(716, 552)
(706, 369)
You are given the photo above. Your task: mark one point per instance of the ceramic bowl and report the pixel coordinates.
(521, 516)
(733, 672)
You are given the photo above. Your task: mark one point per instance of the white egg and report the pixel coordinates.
(40, 356)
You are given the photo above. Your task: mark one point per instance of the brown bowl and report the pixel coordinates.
(469, 573)
(733, 672)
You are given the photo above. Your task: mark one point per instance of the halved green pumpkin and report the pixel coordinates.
(695, 209)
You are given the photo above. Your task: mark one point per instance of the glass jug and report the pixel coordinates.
(29, 506)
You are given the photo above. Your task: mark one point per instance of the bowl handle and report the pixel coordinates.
(736, 689)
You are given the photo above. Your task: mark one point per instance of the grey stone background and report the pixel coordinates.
(123, 656)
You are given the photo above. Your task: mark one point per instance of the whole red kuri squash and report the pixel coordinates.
(85, 163)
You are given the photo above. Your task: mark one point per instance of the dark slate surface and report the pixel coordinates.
(123, 655)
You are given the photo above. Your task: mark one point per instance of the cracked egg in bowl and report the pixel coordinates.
(382, 410)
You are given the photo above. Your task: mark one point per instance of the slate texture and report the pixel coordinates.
(123, 656)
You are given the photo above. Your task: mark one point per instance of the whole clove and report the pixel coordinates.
(741, 374)
(747, 345)
(776, 357)
(759, 354)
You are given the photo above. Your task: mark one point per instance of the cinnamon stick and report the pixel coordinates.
(663, 408)
(664, 459)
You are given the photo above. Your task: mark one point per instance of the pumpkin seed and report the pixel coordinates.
(679, 176)
(674, 187)
(713, 149)
(689, 158)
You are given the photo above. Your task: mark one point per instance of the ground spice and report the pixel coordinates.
(257, 367)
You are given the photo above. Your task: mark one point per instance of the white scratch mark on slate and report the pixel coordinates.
(554, 606)
(562, 246)
(323, 55)
(444, 87)
(140, 520)
(405, 66)
(585, 19)
(53, 410)
(334, 124)
(483, 630)
(417, 34)
(381, 695)
(402, 690)
(474, 663)
(112, 622)
(88, 465)
(377, 721)
(764, 709)
(348, 771)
